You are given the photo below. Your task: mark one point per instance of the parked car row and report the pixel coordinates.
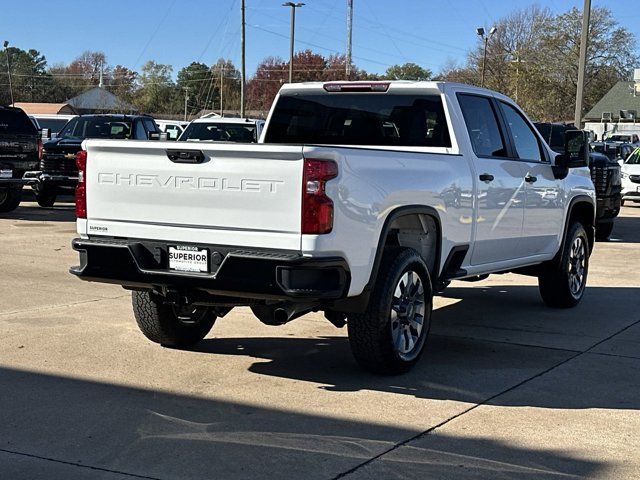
(50, 169)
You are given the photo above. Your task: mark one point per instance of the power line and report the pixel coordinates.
(166, 14)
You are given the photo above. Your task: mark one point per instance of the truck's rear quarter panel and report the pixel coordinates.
(372, 183)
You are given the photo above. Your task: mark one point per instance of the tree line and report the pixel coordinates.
(532, 57)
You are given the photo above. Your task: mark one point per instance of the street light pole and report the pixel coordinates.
(186, 98)
(584, 40)
(221, 89)
(293, 30)
(243, 73)
(480, 31)
(6, 51)
(349, 37)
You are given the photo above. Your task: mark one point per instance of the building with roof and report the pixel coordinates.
(617, 111)
(100, 100)
(46, 108)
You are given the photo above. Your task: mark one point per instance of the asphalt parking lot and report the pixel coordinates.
(506, 389)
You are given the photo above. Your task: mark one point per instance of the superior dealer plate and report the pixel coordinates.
(186, 258)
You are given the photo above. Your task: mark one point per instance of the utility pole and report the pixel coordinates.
(480, 31)
(242, 63)
(517, 62)
(221, 85)
(186, 98)
(6, 51)
(584, 40)
(293, 32)
(349, 37)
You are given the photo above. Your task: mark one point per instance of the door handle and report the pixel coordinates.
(185, 156)
(486, 177)
(530, 178)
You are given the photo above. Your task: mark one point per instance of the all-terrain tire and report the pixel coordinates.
(10, 199)
(371, 334)
(162, 323)
(562, 281)
(46, 200)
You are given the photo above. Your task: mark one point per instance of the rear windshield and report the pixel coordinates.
(53, 124)
(220, 132)
(16, 122)
(97, 127)
(359, 119)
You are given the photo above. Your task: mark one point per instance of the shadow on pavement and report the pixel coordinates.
(625, 230)
(162, 435)
(62, 211)
(458, 367)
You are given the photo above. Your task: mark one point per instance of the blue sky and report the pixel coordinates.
(427, 32)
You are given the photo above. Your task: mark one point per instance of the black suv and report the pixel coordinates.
(605, 174)
(58, 173)
(20, 150)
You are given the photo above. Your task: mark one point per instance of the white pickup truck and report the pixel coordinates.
(360, 200)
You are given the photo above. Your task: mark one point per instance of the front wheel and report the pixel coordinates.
(169, 324)
(389, 337)
(562, 281)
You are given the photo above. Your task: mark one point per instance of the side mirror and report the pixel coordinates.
(576, 150)
(164, 136)
(45, 134)
(154, 136)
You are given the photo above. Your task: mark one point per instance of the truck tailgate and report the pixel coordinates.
(241, 195)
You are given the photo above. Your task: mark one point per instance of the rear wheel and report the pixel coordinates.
(389, 337)
(603, 230)
(10, 199)
(562, 281)
(169, 324)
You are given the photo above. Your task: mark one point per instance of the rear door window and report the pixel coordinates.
(480, 118)
(359, 119)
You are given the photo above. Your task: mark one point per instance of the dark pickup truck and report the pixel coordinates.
(20, 150)
(58, 173)
(605, 174)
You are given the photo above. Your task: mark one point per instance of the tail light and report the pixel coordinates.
(81, 188)
(39, 149)
(317, 207)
